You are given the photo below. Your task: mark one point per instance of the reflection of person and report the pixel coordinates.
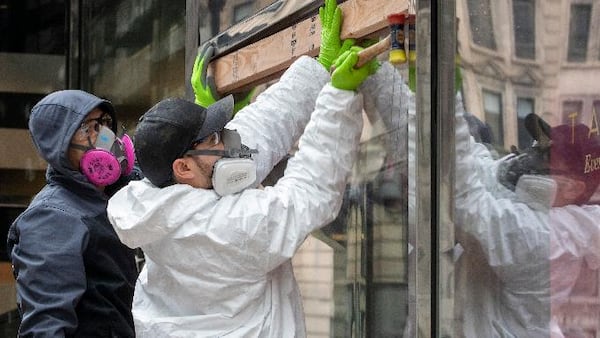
(218, 253)
(518, 242)
(74, 276)
(525, 233)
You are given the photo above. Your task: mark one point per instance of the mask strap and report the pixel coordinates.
(231, 153)
(80, 147)
(83, 148)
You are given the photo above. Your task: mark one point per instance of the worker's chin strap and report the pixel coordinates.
(236, 170)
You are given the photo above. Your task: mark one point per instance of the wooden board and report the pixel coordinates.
(269, 20)
(254, 64)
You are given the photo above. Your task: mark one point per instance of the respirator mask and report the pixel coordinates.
(236, 170)
(108, 158)
(533, 161)
(537, 191)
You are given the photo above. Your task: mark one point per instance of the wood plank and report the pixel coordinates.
(269, 20)
(246, 67)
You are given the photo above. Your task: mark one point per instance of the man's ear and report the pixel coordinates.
(181, 171)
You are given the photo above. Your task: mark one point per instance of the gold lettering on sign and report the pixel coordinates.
(591, 164)
(573, 117)
(594, 128)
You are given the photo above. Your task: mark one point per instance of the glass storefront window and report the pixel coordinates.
(134, 53)
(32, 56)
(353, 273)
(525, 222)
(520, 254)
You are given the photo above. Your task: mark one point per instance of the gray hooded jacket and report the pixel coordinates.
(74, 276)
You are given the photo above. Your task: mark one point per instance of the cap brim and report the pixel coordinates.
(537, 128)
(217, 116)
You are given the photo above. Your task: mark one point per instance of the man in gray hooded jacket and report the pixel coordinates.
(74, 276)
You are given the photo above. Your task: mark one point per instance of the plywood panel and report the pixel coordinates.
(264, 59)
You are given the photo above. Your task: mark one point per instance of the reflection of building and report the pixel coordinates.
(526, 56)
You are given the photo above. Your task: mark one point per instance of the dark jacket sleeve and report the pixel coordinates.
(47, 256)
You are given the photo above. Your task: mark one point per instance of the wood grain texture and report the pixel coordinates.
(254, 64)
(269, 20)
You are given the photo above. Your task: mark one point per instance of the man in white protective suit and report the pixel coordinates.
(218, 250)
(525, 222)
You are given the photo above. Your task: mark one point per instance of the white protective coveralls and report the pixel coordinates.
(522, 256)
(518, 252)
(221, 266)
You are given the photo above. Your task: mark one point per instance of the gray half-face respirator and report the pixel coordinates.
(236, 170)
(533, 161)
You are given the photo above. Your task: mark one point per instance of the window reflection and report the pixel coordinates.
(482, 29)
(525, 106)
(579, 32)
(135, 53)
(492, 106)
(532, 238)
(524, 28)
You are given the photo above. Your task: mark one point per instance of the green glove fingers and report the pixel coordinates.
(412, 77)
(345, 76)
(346, 45)
(204, 87)
(331, 25)
(368, 42)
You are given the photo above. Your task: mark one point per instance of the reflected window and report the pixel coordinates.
(572, 111)
(135, 55)
(525, 106)
(492, 106)
(482, 29)
(524, 28)
(242, 11)
(579, 31)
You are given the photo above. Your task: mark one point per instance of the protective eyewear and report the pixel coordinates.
(95, 124)
(211, 140)
(231, 141)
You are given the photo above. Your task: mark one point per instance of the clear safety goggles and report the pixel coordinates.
(95, 124)
(231, 141)
(211, 140)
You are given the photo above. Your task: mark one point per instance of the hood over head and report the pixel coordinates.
(55, 119)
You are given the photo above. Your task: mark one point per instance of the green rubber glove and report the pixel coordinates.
(331, 25)
(205, 91)
(345, 76)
